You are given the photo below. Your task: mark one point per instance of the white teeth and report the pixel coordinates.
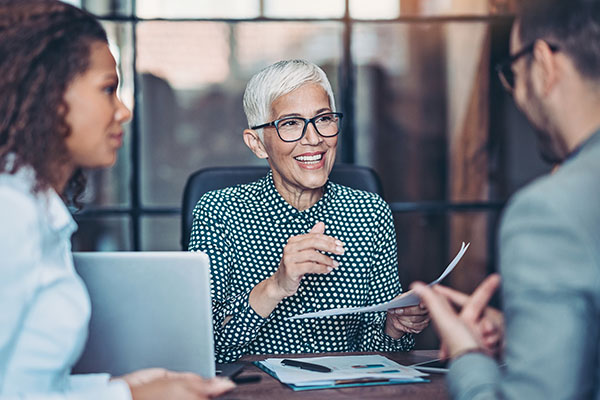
(310, 159)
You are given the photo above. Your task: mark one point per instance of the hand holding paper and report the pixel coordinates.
(406, 300)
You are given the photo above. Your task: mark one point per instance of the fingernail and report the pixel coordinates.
(339, 243)
(329, 269)
(336, 263)
(339, 250)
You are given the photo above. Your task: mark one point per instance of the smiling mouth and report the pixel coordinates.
(313, 159)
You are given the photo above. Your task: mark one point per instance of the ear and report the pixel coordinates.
(253, 141)
(547, 71)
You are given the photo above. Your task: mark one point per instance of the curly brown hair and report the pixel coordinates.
(44, 45)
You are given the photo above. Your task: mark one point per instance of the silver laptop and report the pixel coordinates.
(149, 309)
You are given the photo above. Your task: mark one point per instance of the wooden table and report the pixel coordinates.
(271, 388)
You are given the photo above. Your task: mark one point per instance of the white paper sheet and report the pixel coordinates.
(406, 300)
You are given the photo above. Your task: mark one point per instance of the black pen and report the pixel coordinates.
(240, 380)
(305, 365)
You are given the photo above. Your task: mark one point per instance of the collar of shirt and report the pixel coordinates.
(58, 216)
(588, 143)
(280, 212)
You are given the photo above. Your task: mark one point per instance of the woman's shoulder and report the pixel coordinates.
(21, 215)
(231, 197)
(16, 197)
(356, 196)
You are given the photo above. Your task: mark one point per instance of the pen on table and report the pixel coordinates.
(241, 380)
(305, 365)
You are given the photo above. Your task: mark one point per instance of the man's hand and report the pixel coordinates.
(490, 324)
(459, 333)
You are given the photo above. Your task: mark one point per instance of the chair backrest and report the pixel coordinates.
(208, 179)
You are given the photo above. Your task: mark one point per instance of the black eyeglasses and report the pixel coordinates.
(505, 71)
(292, 129)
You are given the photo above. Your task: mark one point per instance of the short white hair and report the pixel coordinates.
(277, 80)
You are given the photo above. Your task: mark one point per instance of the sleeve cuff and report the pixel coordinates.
(253, 319)
(405, 343)
(240, 330)
(99, 387)
(118, 389)
(85, 381)
(387, 343)
(245, 316)
(473, 375)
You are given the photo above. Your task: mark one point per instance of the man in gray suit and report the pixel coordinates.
(550, 232)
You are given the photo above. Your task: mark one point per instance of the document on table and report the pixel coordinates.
(345, 371)
(410, 299)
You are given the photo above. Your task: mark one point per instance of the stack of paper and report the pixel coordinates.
(345, 371)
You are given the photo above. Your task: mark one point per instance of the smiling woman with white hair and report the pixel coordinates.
(294, 242)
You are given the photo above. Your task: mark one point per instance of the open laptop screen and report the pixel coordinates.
(149, 309)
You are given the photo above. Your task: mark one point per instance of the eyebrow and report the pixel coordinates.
(319, 111)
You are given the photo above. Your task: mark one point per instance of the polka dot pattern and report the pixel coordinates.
(244, 228)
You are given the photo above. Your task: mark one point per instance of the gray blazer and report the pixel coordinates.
(550, 267)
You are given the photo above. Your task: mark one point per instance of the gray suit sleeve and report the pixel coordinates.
(550, 281)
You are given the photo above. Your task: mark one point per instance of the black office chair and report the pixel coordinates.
(208, 179)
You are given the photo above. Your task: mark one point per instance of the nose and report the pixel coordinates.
(311, 136)
(122, 114)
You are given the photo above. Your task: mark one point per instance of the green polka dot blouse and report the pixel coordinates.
(244, 228)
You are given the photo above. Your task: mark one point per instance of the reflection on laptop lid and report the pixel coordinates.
(149, 309)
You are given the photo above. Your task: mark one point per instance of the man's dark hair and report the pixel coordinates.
(573, 25)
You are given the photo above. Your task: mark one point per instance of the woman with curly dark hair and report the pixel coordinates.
(59, 113)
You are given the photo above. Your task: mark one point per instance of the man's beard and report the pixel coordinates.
(545, 150)
(548, 146)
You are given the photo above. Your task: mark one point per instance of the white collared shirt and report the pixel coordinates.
(44, 305)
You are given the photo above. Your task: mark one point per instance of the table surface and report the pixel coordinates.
(271, 388)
